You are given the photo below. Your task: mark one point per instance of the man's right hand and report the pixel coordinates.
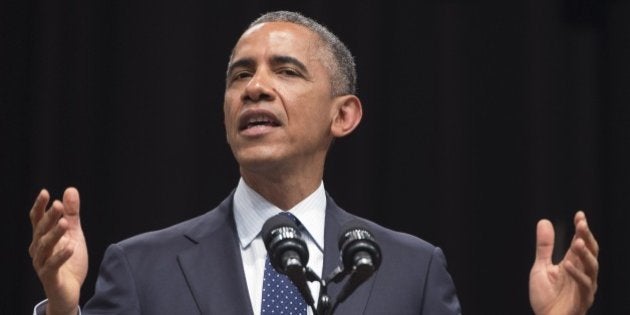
(58, 250)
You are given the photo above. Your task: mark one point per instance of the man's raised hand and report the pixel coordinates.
(58, 250)
(569, 287)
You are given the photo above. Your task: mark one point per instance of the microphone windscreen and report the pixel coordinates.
(275, 222)
(347, 230)
(356, 239)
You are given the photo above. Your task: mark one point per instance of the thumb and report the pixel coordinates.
(544, 241)
(71, 204)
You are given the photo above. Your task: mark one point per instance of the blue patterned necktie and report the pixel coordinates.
(280, 295)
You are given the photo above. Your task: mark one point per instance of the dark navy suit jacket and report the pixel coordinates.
(195, 267)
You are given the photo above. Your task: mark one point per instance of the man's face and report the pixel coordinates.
(278, 103)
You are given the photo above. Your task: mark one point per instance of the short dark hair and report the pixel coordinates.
(341, 62)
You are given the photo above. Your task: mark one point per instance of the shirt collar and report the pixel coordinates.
(311, 212)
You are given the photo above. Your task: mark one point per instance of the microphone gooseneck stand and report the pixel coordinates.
(360, 257)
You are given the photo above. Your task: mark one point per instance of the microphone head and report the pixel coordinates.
(360, 256)
(358, 247)
(284, 243)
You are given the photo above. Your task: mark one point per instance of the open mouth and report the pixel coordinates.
(258, 120)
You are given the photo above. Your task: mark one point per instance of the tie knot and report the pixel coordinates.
(292, 217)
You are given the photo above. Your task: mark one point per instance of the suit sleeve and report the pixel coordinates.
(115, 291)
(440, 294)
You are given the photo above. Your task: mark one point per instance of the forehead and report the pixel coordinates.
(278, 38)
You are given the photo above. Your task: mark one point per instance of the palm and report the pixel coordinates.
(551, 290)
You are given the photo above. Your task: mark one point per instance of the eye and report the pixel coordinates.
(290, 72)
(239, 75)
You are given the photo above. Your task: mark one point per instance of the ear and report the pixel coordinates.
(347, 113)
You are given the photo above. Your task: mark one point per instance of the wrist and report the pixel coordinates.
(52, 310)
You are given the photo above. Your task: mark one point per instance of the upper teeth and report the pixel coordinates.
(258, 119)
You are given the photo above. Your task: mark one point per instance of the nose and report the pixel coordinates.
(258, 88)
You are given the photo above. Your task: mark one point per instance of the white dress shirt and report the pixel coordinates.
(251, 211)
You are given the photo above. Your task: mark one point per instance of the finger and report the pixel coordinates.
(71, 203)
(60, 257)
(47, 243)
(585, 284)
(579, 216)
(577, 274)
(39, 207)
(588, 262)
(544, 241)
(583, 231)
(50, 218)
(56, 260)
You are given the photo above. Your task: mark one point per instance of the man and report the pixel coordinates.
(289, 93)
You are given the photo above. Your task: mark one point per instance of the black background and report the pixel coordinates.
(481, 117)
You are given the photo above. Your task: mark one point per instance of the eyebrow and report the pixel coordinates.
(244, 63)
(281, 59)
(275, 61)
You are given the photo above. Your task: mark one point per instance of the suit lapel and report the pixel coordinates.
(335, 219)
(213, 268)
(214, 272)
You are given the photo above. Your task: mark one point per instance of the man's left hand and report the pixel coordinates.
(568, 287)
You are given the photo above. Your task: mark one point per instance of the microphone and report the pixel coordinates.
(360, 256)
(287, 251)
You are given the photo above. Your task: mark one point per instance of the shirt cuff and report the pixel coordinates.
(40, 308)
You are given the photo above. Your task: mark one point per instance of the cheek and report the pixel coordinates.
(320, 110)
(315, 120)
(229, 119)
(229, 109)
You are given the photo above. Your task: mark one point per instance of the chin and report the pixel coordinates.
(258, 159)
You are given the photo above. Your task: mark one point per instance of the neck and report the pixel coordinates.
(284, 190)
